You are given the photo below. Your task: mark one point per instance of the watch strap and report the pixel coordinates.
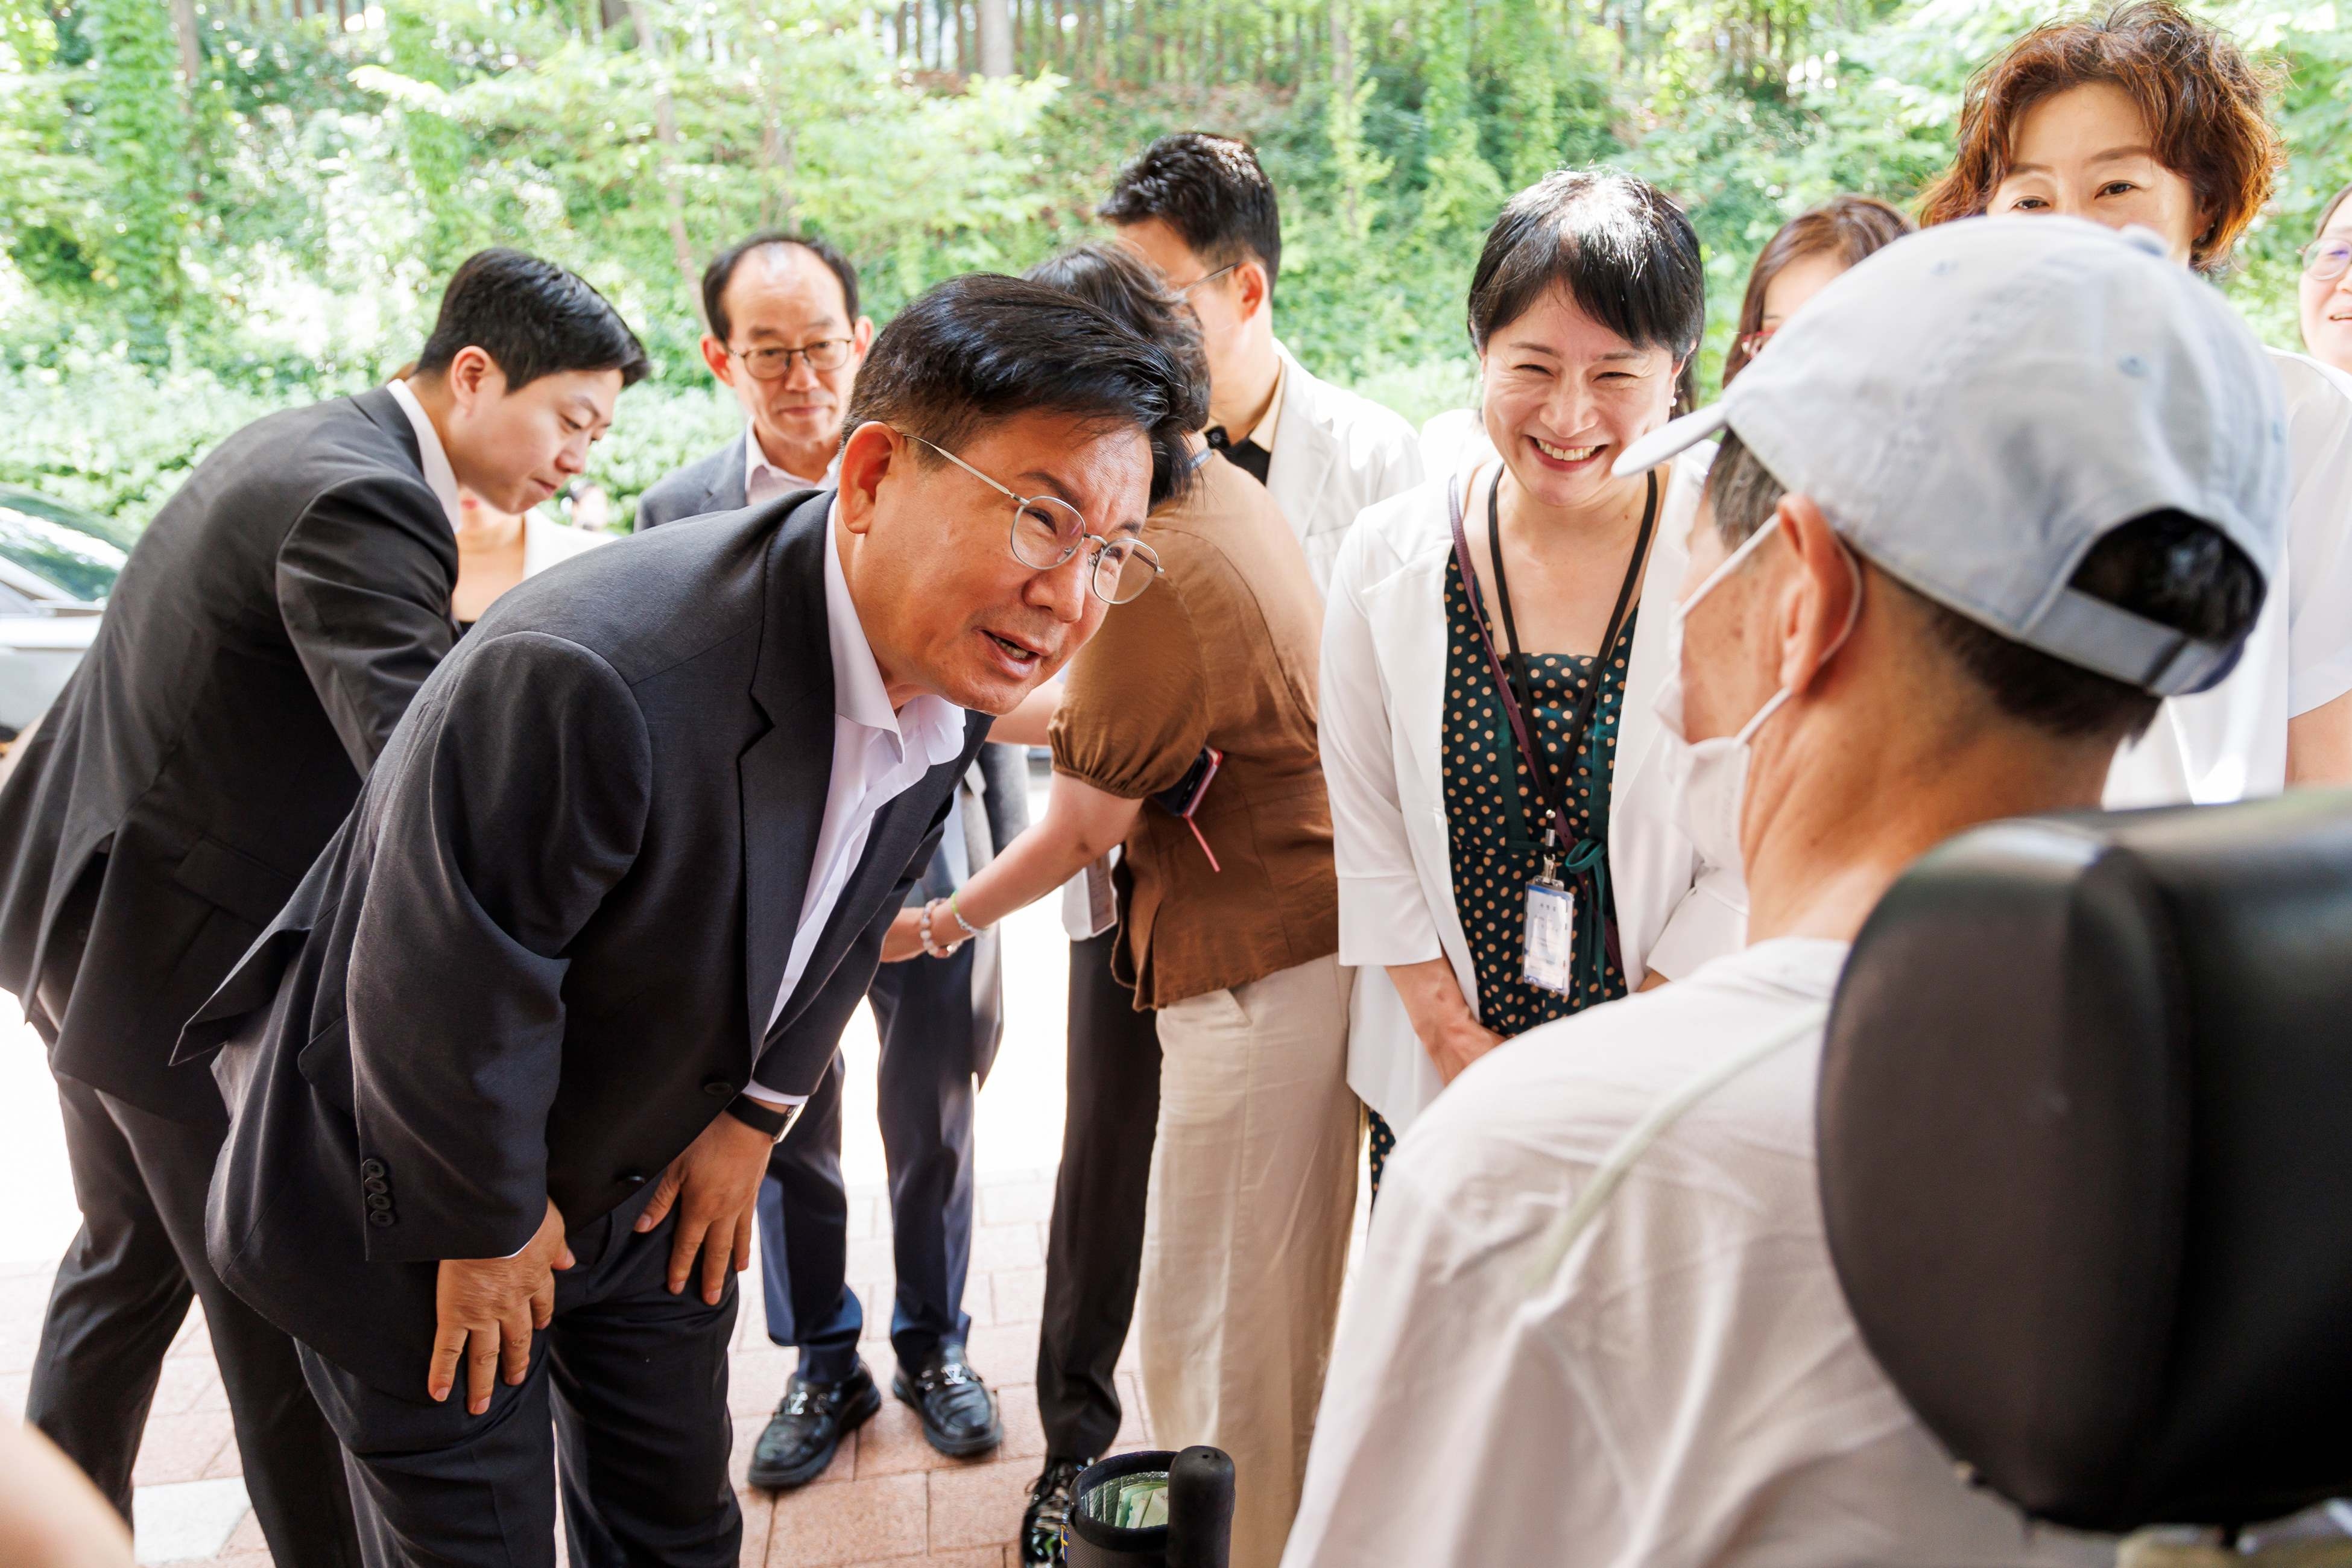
(771, 1119)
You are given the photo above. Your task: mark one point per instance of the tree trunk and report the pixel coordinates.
(192, 57)
(995, 38)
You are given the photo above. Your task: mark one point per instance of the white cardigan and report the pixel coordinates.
(1381, 709)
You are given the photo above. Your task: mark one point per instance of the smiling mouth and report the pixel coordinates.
(1566, 454)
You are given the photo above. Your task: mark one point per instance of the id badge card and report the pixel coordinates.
(1550, 938)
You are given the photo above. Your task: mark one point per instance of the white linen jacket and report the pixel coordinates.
(1334, 455)
(1383, 706)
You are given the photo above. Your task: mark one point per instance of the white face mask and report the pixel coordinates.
(1709, 779)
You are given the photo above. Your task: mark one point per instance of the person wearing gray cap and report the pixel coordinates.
(1992, 497)
(2146, 114)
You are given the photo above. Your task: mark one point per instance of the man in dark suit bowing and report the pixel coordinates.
(505, 1074)
(785, 337)
(264, 639)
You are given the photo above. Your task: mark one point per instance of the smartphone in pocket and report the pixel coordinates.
(1184, 797)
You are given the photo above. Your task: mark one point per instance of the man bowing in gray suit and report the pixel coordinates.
(787, 339)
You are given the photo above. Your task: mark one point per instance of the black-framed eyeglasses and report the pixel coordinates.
(767, 365)
(1186, 291)
(1048, 531)
(2324, 261)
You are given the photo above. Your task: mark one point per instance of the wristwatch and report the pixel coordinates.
(775, 1121)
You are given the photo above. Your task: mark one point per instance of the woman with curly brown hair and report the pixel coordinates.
(2147, 116)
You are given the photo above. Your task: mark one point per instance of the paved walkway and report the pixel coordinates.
(888, 1498)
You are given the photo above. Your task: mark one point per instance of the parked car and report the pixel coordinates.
(58, 564)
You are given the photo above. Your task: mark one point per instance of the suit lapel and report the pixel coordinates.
(898, 832)
(784, 775)
(730, 488)
(1302, 455)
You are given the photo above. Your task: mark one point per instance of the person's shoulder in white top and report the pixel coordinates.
(1686, 1386)
(2231, 743)
(546, 542)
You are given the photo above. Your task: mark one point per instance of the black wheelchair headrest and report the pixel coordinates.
(2085, 1138)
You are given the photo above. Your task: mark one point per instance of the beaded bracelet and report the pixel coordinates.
(923, 930)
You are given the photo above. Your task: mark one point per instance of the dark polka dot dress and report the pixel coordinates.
(1494, 850)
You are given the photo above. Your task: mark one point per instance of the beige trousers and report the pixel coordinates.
(1245, 1235)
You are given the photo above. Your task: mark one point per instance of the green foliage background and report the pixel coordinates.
(177, 256)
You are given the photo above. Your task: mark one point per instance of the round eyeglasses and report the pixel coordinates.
(767, 365)
(1048, 531)
(2324, 261)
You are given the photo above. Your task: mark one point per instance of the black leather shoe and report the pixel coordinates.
(959, 1412)
(808, 1426)
(1050, 1500)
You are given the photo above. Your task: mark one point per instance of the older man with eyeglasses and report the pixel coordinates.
(787, 339)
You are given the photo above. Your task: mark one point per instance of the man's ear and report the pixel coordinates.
(862, 334)
(474, 379)
(714, 355)
(867, 460)
(1253, 290)
(1825, 593)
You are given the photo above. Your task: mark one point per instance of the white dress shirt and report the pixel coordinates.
(438, 475)
(877, 755)
(1686, 1387)
(764, 481)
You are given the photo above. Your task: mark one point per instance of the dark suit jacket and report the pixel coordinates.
(720, 483)
(266, 635)
(715, 483)
(543, 953)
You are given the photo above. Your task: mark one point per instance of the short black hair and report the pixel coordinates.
(2167, 566)
(1624, 253)
(721, 272)
(533, 317)
(1123, 286)
(1210, 190)
(984, 348)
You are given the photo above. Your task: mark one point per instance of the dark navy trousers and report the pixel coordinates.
(923, 1011)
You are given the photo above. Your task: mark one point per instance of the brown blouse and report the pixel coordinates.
(1220, 651)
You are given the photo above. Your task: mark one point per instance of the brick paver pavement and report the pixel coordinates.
(887, 1498)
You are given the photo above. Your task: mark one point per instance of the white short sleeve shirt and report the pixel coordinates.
(1685, 1386)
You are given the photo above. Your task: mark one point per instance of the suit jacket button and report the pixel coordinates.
(631, 1178)
(380, 1201)
(719, 1088)
(375, 1184)
(372, 1167)
(379, 1216)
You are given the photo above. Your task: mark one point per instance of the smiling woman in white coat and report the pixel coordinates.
(1521, 609)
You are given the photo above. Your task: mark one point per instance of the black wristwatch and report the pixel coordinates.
(773, 1120)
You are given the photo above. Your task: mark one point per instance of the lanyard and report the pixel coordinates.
(1585, 859)
(1557, 833)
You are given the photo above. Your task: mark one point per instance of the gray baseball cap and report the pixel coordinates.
(1975, 405)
